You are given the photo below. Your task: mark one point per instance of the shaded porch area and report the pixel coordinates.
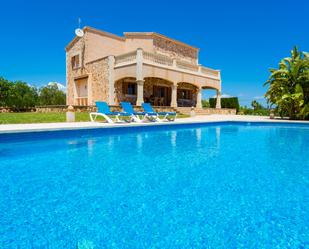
(186, 94)
(126, 90)
(158, 92)
(155, 91)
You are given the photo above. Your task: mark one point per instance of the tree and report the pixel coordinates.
(289, 86)
(21, 96)
(5, 90)
(256, 105)
(51, 95)
(258, 109)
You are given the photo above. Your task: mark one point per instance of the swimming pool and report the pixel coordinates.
(221, 185)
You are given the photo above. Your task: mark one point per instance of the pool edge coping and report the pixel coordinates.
(24, 128)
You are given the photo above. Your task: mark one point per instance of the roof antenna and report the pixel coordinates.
(79, 32)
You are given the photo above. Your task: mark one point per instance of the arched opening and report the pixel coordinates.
(186, 94)
(126, 90)
(157, 91)
(208, 92)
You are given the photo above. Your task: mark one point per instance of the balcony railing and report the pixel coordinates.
(209, 71)
(187, 66)
(124, 58)
(166, 62)
(158, 59)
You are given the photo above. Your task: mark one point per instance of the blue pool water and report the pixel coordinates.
(222, 185)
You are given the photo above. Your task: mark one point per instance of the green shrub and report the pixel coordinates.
(231, 103)
(205, 103)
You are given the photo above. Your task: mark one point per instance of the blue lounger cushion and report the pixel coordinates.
(105, 112)
(150, 111)
(128, 108)
(104, 108)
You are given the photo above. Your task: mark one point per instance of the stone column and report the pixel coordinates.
(139, 77)
(174, 96)
(139, 64)
(199, 98)
(218, 104)
(140, 92)
(111, 81)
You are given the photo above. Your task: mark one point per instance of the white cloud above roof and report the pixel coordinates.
(59, 85)
(224, 95)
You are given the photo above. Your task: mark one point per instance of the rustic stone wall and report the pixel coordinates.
(9, 109)
(96, 73)
(5, 109)
(98, 81)
(175, 50)
(64, 108)
(206, 111)
(76, 49)
(45, 109)
(218, 111)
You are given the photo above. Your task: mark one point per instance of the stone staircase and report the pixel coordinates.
(187, 110)
(205, 111)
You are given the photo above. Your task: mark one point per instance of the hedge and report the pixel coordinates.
(231, 103)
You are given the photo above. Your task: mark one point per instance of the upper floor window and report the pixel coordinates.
(75, 62)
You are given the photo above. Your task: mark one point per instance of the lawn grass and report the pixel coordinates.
(36, 117)
(50, 117)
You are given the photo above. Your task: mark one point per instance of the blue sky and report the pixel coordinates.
(242, 38)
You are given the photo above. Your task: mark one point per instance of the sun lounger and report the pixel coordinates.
(105, 112)
(167, 116)
(128, 109)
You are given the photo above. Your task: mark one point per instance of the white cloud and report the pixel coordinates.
(224, 95)
(59, 85)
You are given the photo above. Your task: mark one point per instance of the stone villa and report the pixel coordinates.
(138, 67)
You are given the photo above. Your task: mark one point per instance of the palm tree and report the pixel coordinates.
(256, 105)
(289, 86)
